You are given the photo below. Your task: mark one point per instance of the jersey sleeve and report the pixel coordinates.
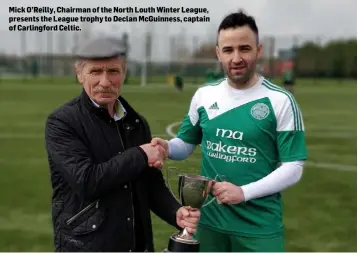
(190, 130)
(291, 141)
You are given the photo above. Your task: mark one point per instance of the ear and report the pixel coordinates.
(80, 77)
(79, 74)
(218, 53)
(259, 51)
(125, 68)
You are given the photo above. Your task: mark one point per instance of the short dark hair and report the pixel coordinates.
(239, 19)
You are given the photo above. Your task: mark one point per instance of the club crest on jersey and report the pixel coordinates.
(260, 111)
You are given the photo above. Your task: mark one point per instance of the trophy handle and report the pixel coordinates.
(168, 182)
(222, 178)
(206, 204)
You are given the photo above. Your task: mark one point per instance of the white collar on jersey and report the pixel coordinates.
(245, 91)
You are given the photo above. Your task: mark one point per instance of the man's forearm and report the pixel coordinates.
(283, 177)
(179, 150)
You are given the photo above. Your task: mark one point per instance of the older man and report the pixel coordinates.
(104, 177)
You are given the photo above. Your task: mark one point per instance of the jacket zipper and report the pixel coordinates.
(134, 239)
(83, 211)
(131, 189)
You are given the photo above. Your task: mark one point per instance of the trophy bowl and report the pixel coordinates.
(193, 191)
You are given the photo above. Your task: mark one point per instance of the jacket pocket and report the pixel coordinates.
(87, 220)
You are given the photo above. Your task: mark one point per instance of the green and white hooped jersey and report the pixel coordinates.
(244, 135)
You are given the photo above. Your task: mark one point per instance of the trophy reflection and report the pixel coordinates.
(193, 191)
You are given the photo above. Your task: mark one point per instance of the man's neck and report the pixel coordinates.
(245, 85)
(111, 109)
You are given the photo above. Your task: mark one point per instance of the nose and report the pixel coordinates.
(236, 57)
(104, 80)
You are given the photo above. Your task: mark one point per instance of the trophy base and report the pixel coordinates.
(177, 244)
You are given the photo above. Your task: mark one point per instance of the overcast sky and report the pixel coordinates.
(310, 19)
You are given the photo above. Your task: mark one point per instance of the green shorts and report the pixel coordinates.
(213, 241)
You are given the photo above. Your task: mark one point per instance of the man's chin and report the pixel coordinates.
(238, 78)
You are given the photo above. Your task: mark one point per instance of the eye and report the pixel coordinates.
(245, 49)
(227, 50)
(114, 71)
(95, 71)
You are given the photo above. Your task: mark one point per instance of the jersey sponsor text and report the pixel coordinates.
(230, 153)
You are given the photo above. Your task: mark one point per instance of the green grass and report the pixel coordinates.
(319, 212)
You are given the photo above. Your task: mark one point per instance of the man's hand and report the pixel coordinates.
(228, 193)
(163, 143)
(188, 218)
(156, 155)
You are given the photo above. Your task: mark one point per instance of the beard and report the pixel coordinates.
(241, 78)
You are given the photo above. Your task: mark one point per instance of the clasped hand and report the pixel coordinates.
(157, 152)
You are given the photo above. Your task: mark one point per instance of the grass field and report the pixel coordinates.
(319, 213)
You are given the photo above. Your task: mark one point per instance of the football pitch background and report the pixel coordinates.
(319, 212)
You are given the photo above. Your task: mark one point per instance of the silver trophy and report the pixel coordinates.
(193, 191)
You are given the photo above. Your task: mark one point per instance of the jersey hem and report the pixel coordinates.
(245, 234)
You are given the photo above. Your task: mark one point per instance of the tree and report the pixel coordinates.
(335, 59)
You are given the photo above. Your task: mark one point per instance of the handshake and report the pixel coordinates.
(157, 151)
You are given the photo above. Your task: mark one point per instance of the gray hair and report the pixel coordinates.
(79, 64)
